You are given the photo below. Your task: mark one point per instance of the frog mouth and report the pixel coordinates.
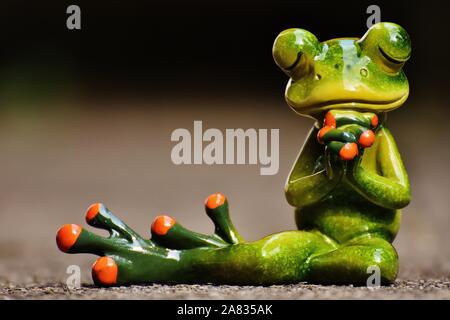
(351, 104)
(396, 61)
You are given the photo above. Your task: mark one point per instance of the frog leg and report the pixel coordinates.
(380, 175)
(352, 262)
(276, 259)
(177, 255)
(313, 176)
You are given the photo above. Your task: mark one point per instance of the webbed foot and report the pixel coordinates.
(124, 253)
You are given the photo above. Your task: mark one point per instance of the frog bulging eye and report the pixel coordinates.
(388, 44)
(294, 49)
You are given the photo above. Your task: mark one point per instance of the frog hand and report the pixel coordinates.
(347, 133)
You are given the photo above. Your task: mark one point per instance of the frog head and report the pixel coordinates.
(346, 73)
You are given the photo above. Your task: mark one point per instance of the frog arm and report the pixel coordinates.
(380, 175)
(308, 183)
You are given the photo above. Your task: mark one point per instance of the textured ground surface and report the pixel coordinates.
(55, 164)
(430, 289)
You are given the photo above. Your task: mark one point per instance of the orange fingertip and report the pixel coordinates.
(92, 211)
(104, 271)
(366, 139)
(329, 120)
(322, 132)
(162, 224)
(374, 121)
(349, 151)
(67, 236)
(215, 200)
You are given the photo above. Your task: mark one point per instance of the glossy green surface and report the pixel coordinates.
(347, 211)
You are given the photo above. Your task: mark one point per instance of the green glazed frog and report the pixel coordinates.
(348, 184)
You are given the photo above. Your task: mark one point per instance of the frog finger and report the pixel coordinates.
(72, 238)
(105, 271)
(321, 133)
(327, 134)
(337, 118)
(346, 150)
(216, 206)
(365, 137)
(99, 216)
(170, 234)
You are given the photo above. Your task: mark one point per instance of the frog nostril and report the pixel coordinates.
(364, 72)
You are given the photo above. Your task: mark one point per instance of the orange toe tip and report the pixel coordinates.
(92, 211)
(215, 200)
(349, 151)
(104, 271)
(366, 139)
(374, 121)
(329, 120)
(162, 224)
(67, 236)
(322, 132)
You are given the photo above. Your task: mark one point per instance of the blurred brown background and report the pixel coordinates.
(86, 116)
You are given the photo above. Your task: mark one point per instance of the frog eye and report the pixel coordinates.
(392, 64)
(293, 48)
(388, 44)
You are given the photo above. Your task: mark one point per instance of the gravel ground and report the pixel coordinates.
(402, 289)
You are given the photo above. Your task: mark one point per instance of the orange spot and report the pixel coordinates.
(366, 139)
(67, 236)
(215, 200)
(322, 132)
(92, 211)
(162, 224)
(329, 120)
(349, 151)
(104, 271)
(374, 121)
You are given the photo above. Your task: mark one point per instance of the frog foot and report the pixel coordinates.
(125, 256)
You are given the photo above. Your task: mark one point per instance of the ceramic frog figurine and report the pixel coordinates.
(347, 184)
